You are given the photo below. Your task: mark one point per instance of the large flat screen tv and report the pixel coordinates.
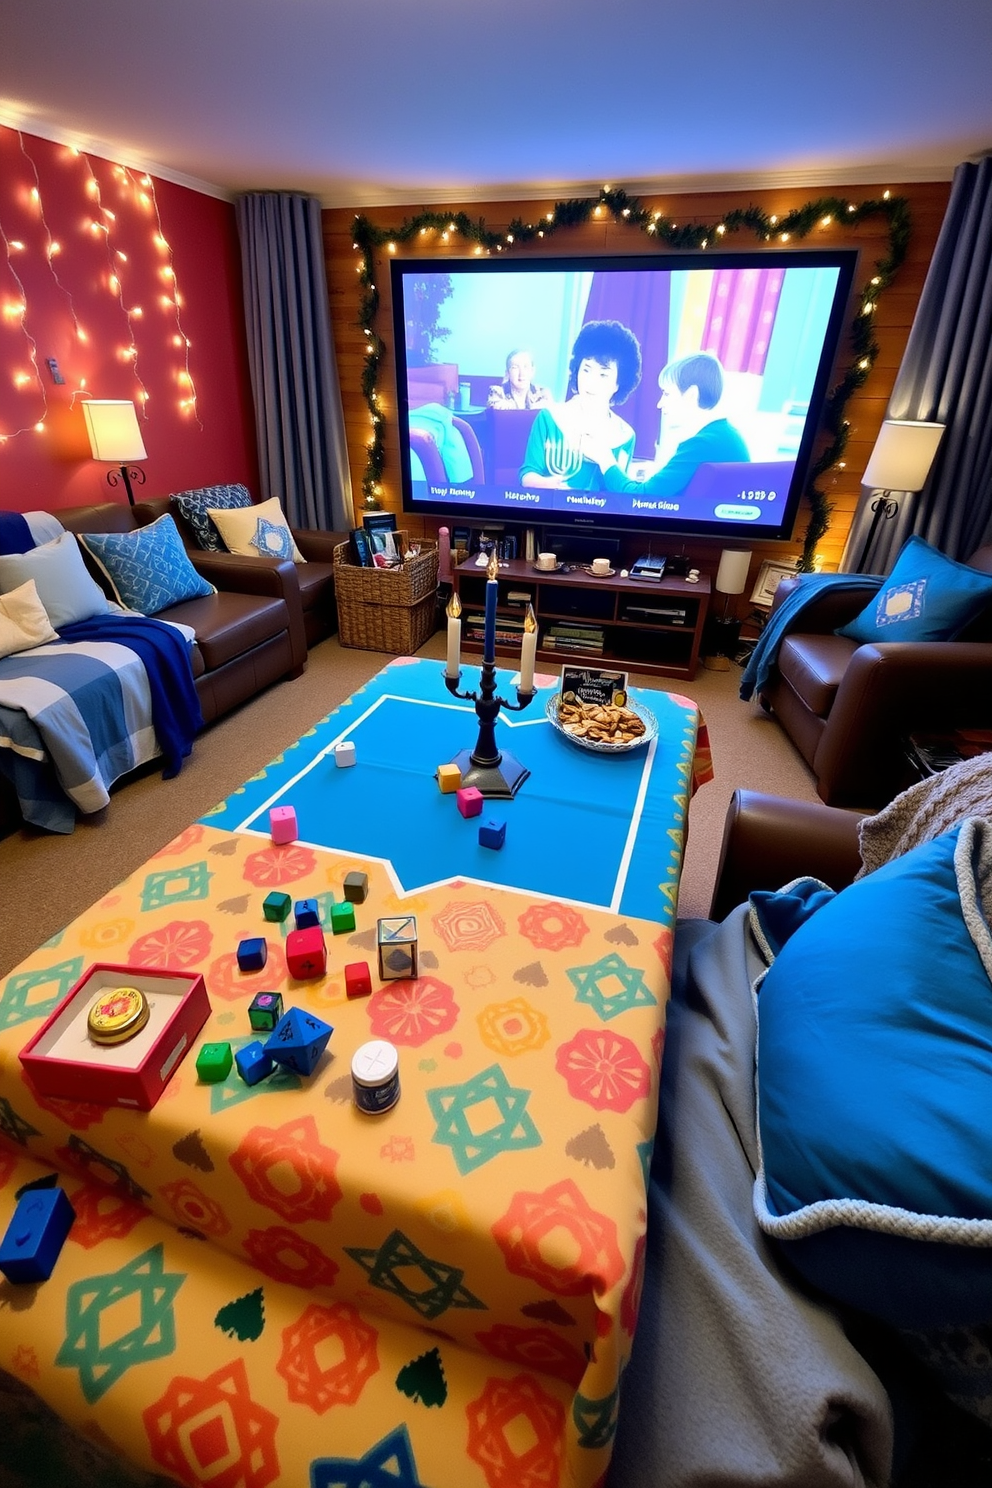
(680, 392)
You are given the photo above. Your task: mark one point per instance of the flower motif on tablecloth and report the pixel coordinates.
(178, 946)
(553, 927)
(512, 1027)
(494, 1417)
(24, 1362)
(296, 1149)
(226, 979)
(197, 1424)
(284, 1255)
(446, 1211)
(13, 1126)
(19, 1002)
(535, 1348)
(388, 1464)
(102, 1216)
(478, 977)
(663, 945)
(192, 1207)
(411, 1012)
(175, 886)
(610, 986)
(190, 837)
(397, 1258)
(604, 1069)
(468, 927)
(589, 1261)
(277, 865)
(78, 1115)
(398, 1149)
(101, 1349)
(105, 933)
(354, 1350)
(458, 1109)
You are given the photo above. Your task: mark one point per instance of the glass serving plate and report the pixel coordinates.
(593, 745)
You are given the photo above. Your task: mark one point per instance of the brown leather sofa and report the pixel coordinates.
(309, 586)
(849, 708)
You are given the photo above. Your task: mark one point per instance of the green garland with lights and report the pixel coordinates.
(798, 223)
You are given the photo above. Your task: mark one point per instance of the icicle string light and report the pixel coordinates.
(660, 232)
(129, 352)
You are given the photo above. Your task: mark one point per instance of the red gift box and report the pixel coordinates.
(63, 1061)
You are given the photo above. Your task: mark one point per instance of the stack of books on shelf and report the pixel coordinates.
(575, 638)
(509, 628)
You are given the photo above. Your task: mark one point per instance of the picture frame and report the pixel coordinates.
(770, 575)
(361, 552)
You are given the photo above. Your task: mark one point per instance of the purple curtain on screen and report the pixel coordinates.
(642, 302)
(740, 317)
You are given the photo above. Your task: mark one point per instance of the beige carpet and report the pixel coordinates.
(48, 879)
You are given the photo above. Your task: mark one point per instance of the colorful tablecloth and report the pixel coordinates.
(262, 1284)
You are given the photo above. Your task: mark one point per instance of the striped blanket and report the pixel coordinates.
(77, 715)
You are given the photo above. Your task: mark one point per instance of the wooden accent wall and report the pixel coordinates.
(865, 409)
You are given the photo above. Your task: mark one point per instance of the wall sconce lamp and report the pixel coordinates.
(722, 631)
(112, 426)
(901, 460)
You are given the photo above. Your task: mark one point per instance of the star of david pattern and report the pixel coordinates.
(450, 1106)
(89, 1163)
(443, 1283)
(596, 1420)
(598, 986)
(13, 1126)
(16, 1005)
(272, 541)
(389, 1464)
(102, 1363)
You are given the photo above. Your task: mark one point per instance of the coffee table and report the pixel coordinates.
(264, 1285)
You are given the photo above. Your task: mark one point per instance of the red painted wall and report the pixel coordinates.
(93, 257)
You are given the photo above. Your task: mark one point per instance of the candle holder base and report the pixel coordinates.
(499, 782)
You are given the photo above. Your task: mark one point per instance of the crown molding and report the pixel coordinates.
(118, 154)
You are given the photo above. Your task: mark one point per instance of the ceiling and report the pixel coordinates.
(365, 102)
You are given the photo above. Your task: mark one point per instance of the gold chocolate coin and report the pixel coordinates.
(117, 1015)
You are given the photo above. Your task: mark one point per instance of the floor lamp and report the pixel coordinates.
(724, 632)
(112, 427)
(901, 461)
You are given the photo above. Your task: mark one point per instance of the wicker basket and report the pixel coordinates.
(386, 609)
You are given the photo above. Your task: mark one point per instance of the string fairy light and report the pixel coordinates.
(129, 352)
(188, 401)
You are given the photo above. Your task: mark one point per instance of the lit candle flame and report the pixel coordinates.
(530, 621)
(492, 572)
(454, 608)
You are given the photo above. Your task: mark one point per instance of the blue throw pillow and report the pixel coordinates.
(874, 1075)
(926, 597)
(194, 505)
(64, 587)
(149, 569)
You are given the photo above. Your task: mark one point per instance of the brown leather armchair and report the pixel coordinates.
(849, 708)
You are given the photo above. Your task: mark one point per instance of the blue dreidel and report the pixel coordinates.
(492, 833)
(253, 1063)
(36, 1234)
(306, 913)
(298, 1040)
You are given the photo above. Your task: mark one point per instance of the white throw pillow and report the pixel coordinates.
(256, 531)
(64, 587)
(24, 623)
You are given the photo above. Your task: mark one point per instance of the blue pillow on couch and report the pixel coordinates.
(926, 597)
(149, 568)
(193, 507)
(874, 1074)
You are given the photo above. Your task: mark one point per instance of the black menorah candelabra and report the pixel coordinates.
(496, 773)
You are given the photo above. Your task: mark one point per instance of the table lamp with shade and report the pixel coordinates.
(901, 460)
(112, 427)
(724, 631)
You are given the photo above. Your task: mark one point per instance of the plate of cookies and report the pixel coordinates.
(600, 727)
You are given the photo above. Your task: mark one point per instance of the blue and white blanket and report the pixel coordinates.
(806, 592)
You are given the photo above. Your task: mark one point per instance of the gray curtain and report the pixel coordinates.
(302, 451)
(946, 378)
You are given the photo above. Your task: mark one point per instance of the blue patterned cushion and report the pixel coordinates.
(272, 541)
(148, 569)
(926, 597)
(194, 505)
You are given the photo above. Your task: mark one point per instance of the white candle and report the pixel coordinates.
(454, 662)
(528, 651)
